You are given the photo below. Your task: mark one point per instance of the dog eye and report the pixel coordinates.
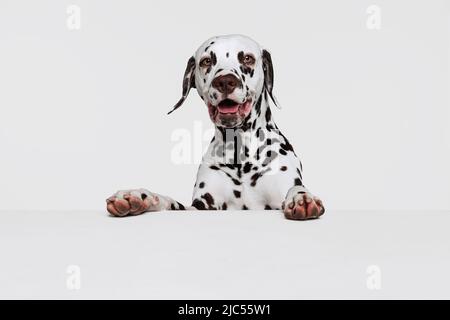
(249, 59)
(205, 62)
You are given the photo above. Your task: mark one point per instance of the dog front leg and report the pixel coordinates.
(138, 201)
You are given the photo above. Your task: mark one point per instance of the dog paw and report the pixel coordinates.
(303, 206)
(132, 202)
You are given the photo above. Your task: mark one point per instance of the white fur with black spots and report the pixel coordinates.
(250, 164)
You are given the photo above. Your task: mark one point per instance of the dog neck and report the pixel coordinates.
(234, 146)
(259, 118)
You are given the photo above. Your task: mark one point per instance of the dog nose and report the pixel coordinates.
(226, 83)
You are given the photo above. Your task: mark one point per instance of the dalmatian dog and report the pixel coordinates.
(249, 164)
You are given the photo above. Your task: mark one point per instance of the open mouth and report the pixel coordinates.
(228, 106)
(228, 112)
(231, 107)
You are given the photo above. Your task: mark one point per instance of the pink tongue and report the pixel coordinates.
(232, 109)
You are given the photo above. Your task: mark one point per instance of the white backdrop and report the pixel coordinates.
(83, 111)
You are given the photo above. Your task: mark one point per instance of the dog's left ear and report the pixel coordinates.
(188, 82)
(268, 74)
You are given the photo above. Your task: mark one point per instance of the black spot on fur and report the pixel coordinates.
(180, 206)
(143, 196)
(228, 54)
(213, 58)
(209, 199)
(244, 207)
(299, 173)
(282, 152)
(240, 56)
(197, 203)
(268, 115)
(246, 125)
(255, 178)
(237, 194)
(271, 155)
(172, 206)
(236, 182)
(297, 182)
(228, 165)
(213, 167)
(286, 146)
(260, 134)
(224, 206)
(257, 175)
(283, 168)
(247, 167)
(267, 207)
(246, 152)
(206, 49)
(258, 106)
(201, 185)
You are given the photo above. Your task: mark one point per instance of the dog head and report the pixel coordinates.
(230, 74)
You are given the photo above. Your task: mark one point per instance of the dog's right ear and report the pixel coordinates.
(188, 83)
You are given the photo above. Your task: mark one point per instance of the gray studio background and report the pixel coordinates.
(83, 112)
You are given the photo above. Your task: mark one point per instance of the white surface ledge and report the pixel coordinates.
(224, 255)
